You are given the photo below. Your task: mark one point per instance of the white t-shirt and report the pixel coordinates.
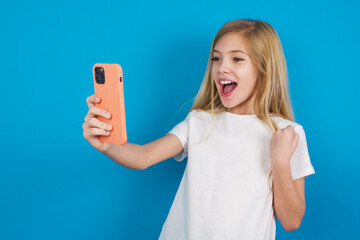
(224, 192)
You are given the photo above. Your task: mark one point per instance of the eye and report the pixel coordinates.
(236, 59)
(239, 59)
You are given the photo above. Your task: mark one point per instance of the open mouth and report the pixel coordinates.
(227, 89)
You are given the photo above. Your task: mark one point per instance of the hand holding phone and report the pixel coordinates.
(93, 128)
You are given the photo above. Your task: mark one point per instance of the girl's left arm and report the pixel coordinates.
(289, 198)
(289, 194)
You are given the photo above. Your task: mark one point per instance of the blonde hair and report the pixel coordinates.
(265, 51)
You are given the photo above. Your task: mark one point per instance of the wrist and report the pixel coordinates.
(280, 165)
(106, 150)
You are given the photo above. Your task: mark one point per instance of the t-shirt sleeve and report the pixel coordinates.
(300, 164)
(181, 131)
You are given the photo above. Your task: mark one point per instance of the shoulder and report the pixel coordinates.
(282, 123)
(200, 118)
(199, 114)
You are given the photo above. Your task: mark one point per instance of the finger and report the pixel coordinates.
(97, 132)
(91, 100)
(87, 117)
(296, 137)
(94, 122)
(289, 128)
(99, 112)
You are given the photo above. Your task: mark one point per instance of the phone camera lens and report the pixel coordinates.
(99, 75)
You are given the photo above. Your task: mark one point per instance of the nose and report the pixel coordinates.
(224, 67)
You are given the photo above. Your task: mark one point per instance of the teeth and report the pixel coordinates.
(226, 82)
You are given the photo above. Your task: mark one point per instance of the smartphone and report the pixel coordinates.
(109, 86)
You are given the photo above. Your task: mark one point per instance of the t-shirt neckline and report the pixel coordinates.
(241, 115)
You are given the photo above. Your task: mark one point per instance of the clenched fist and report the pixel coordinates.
(282, 146)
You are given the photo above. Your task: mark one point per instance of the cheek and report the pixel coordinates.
(214, 71)
(247, 81)
(214, 74)
(247, 75)
(248, 86)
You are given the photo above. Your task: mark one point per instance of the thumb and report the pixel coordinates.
(296, 138)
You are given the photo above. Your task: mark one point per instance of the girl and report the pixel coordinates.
(247, 158)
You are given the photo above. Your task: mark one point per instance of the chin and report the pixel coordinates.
(227, 105)
(231, 104)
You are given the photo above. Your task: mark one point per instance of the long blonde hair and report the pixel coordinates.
(265, 51)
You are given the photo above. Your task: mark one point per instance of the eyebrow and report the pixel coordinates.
(214, 50)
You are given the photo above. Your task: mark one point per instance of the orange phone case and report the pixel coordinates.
(111, 92)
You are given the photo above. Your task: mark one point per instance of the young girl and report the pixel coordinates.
(247, 158)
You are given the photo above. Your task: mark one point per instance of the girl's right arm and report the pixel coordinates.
(130, 155)
(140, 157)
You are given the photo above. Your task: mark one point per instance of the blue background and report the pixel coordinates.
(55, 185)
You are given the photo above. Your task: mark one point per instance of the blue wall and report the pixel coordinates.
(54, 185)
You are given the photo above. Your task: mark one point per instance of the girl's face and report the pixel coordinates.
(231, 62)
